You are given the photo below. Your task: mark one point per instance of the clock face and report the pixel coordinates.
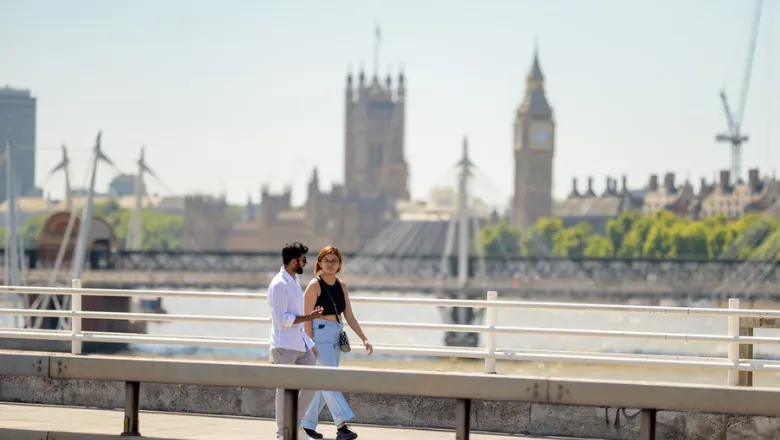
(539, 136)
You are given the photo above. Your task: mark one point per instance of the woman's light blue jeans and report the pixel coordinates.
(326, 339)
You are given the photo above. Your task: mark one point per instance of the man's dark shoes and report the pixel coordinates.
(312, 433)
(344, 433)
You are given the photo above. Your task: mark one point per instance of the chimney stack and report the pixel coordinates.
(590, 187)
(724, 179)
(753, 178)
(669, 182)
(574, 192)
(653, 185)
(625, 183)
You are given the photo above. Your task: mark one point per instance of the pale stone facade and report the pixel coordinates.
(757, 195)
(669, 196)
(734, 200)
(534, 150)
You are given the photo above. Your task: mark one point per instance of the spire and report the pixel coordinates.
(535, 76)
(377, 39)
(465, 162)
(314, 183)
(389, 79)
(535, 101)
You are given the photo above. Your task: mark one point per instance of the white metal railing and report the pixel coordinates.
(489, 352)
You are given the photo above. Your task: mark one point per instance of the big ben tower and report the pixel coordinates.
(534, 148)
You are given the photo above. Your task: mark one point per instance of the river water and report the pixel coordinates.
(367, 312)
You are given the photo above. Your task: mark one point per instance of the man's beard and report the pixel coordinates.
(299, 270)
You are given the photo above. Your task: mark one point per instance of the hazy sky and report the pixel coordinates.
(232, 94)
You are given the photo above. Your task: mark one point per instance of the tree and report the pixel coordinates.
(500, 240)
(599, 247)
(618, 228)
(32, 227)
(540, 240)
(572, 242)
(662, 235)
(690, 240)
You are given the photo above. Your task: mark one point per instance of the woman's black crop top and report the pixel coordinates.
(324, 300)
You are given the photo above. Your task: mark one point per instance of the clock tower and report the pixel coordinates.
(534, 149)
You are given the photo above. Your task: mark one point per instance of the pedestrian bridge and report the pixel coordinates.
(398, 397)
(458, 402)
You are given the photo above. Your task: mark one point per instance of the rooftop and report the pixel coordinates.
(9, 92)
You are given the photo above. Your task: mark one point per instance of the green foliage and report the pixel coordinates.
(160, 230)
(31, 228)
(663, 235)
(500, 240)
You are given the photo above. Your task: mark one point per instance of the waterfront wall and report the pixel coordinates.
(501, 417)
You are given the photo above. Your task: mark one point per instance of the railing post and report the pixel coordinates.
(75, 320)
(462, 419)
(745, 352)
(647, 424)
(132, 422)
(490, 338)
(733, 347)
(290, 414)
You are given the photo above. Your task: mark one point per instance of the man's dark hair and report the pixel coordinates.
(293, 250)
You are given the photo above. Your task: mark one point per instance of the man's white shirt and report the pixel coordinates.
(285, 299)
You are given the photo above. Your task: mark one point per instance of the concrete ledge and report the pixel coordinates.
(19, 434)
(502, 404)
(25, 364)
(645, 395)
(387, 410)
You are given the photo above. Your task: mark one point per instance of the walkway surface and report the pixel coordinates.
(45, 422)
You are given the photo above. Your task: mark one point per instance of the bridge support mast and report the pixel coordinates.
(462, 218)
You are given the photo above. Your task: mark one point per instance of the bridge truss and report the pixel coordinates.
(595, 269)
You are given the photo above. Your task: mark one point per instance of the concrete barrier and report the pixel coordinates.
(388, 410)
(506, 404)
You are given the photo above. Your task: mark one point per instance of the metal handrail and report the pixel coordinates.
(489, 352)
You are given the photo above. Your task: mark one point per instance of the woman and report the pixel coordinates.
(330, 293)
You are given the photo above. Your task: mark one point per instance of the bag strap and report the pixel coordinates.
(325, 285)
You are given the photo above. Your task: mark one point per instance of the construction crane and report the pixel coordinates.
(735, 137)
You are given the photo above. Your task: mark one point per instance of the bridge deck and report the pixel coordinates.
(23, 422)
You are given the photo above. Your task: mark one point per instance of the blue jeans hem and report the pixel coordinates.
(338, 421)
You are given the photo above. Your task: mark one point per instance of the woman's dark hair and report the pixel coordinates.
(293, 250)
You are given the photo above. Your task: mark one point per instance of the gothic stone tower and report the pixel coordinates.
(374, 159)
(534, 148)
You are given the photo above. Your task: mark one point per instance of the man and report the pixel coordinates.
(289, 342)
